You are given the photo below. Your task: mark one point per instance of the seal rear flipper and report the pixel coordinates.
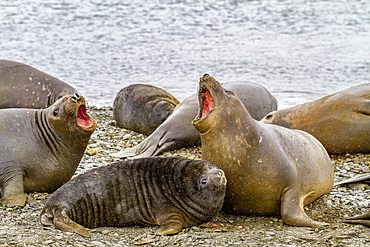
(60, 220)
(361, 178)
(359, 219)
(146, 148)
(292, 212)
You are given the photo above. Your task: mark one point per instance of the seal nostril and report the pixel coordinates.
(73, 99)
(77, 96)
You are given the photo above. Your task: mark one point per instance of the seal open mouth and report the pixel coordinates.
(82, 118)
(206, 103)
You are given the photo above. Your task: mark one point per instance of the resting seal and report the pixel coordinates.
(142, 108)
(41, 149)
(270, 169)
(170, 192)
(22, 86)
(177, 131)
(340, 121)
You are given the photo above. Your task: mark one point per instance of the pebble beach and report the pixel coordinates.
(21, 226)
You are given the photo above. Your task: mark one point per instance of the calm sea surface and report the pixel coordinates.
(298, 50)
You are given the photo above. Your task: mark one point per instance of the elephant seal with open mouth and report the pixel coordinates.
(270, 169)
(41, 149)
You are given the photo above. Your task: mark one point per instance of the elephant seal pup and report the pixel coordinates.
(142, 108)
(170, 192)
(340, 121)
(41, 149)
(270, 169)
(359, 219)
(22, 86)
(178, 132)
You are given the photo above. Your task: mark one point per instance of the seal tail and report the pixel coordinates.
(60, 219)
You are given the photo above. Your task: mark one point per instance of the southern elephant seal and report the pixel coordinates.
(340, 121)
(270, 169)
(22, 86)
(177, 130)
(142, 108)
(170, 192)
(41, 149)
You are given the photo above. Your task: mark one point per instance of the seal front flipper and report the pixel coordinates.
(292, 211)
(13, 194)
(60, 220)
(360, 219)
(172, 224)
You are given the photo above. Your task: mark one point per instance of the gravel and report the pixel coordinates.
(21, 227)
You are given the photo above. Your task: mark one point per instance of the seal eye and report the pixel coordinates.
(204, 181)
(56, 112)
(229, 92)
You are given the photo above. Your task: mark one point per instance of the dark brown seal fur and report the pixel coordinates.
(41, 149)
(142, 108)
(22, 86)
(178, 132)
(270, 169)
(170, 192)
(340, 121)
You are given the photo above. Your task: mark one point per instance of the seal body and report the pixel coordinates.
(142, 108)
(22, 86)
(177, 130)
(340, 121)
(270, 169)
(41, 149)
(170, 192)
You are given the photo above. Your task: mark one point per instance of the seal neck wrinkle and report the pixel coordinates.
(46, 133)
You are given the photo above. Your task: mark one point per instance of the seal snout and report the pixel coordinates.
(205, 77)
(218, 177)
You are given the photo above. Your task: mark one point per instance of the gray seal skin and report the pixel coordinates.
(177, 130)
(41, 149)
(171, 192)
(340, 121)
(142, 108)
(270, 169)
(22, 86)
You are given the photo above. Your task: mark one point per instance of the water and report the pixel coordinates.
(299, 50)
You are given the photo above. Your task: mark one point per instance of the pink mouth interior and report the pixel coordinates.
(82, 118)
(207, 103)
